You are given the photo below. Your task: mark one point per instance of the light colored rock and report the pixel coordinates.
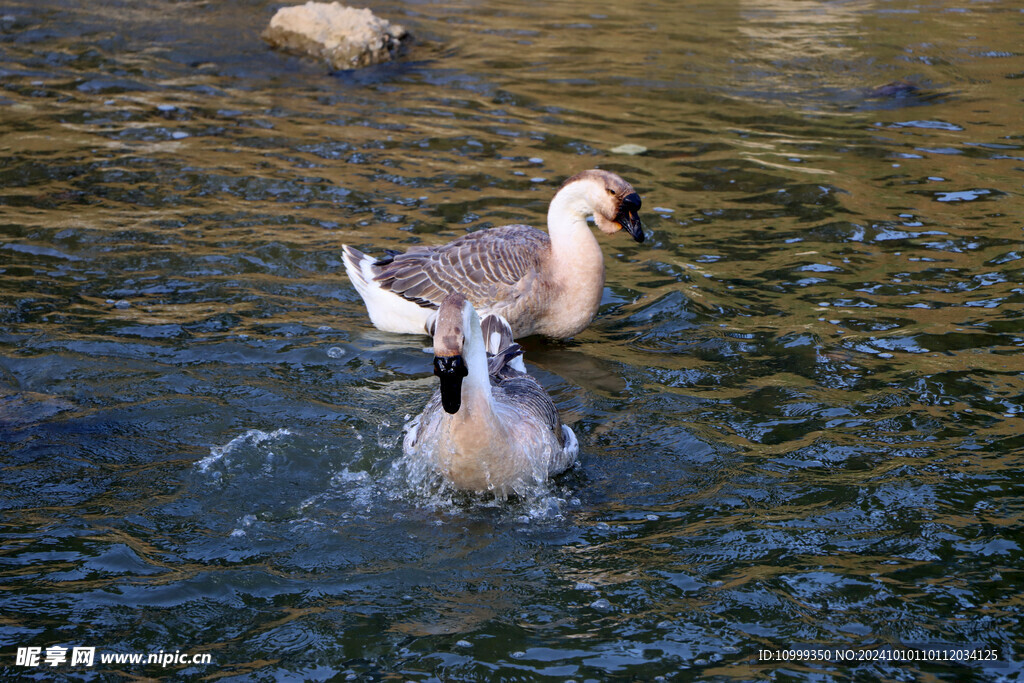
(628, 148)
(344, 37)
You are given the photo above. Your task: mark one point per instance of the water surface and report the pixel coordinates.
(799, 408)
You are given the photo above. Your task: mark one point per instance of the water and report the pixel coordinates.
(799, 408)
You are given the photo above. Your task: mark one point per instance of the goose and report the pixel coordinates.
(548, 284)
(490, 427)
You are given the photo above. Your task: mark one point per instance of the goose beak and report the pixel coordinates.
(628, 217)
(451, 370)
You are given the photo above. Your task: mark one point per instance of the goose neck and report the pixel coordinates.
(567, 221)
(477, 384)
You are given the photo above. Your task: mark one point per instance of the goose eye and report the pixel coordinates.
(611, 191)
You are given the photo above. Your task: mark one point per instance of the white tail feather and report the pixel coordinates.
(388, 311)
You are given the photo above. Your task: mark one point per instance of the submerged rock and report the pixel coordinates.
(344, 37)
(628, 148)
(900, 88)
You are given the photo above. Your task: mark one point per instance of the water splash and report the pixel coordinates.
(253, 438)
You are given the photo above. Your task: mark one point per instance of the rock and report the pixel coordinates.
(344, 37)
(628, 148)
(895, 89)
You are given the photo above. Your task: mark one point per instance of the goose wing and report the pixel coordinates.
(488, 266)
(506, 363)
(529, 396)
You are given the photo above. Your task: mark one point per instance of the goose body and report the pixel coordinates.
(490, 427)
(541, 283)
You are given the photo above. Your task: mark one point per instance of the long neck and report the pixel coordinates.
(567, 222)
(476, 387)
(572, 242)
(577, 262)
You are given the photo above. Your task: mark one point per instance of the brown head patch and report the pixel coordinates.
(448, 332)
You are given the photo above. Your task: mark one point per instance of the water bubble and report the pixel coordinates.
(584, 586)
(601, 604)
(122, 304)
(518, 654)
(463, 643)
(653, 518)
(335, 352)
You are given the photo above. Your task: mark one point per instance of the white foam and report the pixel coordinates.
(253, 437)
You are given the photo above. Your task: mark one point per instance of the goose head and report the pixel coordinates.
(452, 329)
(613, 202)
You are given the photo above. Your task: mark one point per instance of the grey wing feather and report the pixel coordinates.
(485, 266)
(504, 355)
(502, 365)
(497, 333)
(528, 393)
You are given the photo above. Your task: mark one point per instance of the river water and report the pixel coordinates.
(799, 408)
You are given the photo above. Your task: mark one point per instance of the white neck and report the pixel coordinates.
(567, 220)
(477, 384)
(577, 265)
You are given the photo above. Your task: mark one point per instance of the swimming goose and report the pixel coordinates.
(549, 284)
(490, 426)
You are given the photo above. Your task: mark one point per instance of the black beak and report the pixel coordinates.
(628, 217)
(451, 370)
